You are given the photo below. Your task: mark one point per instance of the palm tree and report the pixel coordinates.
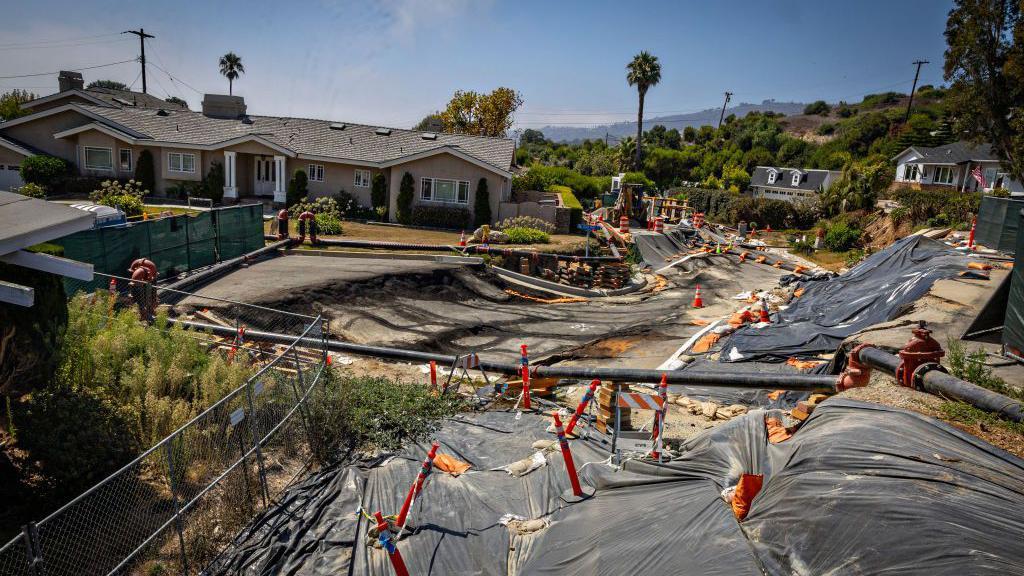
(626, 153)
(643, 72)
(231, 67)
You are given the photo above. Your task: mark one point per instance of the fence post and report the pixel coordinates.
(177, 505)
(265, 492)
(298, 398)
(33, 549)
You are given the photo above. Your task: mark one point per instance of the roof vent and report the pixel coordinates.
(338, 126)
(429, 135)
(162, 112)
(248, 120)
(383, 132)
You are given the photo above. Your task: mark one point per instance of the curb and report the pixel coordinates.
(441, 259)
(563, 289)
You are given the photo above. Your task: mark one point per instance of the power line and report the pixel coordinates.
(173, 79)
(56, 41)
(69, 70)
(64, 46)
(141, 33)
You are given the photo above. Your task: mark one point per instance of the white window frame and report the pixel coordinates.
(120, 159)
(772, 175)
(796, 178)
(316, 173)
(362, 178)
(85, 158)
(423, 184)
(181, 162)
(948, 170)
(459, 185)
(911, 173)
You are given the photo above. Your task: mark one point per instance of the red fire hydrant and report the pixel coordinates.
(857, 374)
(920, 351)
(282, 224)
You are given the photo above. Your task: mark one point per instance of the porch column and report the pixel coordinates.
(230, 186)
(280, 196)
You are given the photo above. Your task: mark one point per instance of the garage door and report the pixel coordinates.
(10, 177)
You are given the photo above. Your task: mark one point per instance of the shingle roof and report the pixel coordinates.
(357, 142)
(19, 144)
(137, 99)
(956, 153)
(811, 180)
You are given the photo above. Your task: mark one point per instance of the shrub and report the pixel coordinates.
(840, 237)
(323, 205)
(519, 235)
(213, 184)
(920, 205)
(328, 224)
(182, 189)
(127, 196)
(403, 208)
(826, 129)
(853, 257)
(482, 204)
(349, 207)
(819, 107)
(450, 217)
(525, 222)
(32, 190)
(804, 247)
(379, 195)
(145, 171)
(45, 171)
(298, 187)
(970, 366)
(570, 201)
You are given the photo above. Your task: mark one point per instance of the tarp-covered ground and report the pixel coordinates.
(859, 489)
(874, 291)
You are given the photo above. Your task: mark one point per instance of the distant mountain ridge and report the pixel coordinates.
(678, 121)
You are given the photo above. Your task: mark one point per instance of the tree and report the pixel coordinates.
(403, 211)
(10, 104)
(856, 189)
(231, 67)
(108, 84)
(984, 63)
(626, 155)
(298, 188)
(482, 204)
(643, 72)
(145, 171)
(379, 195)
(481, 114)
(179, 101)
(531, 136)
(43, 170)
(819, 107)
(689, 134)
(430, 123)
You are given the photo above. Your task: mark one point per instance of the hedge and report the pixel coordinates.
(570, 201)
(450, 217)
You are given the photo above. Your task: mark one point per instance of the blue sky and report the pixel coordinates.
(392, 61)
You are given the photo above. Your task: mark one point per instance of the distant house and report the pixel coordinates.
(790, 184)
(955, 165)
(104, 137)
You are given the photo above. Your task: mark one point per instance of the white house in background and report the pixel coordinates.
(955, 165)
(790, 184)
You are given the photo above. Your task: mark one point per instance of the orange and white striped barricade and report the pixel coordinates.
(465, 363)
(633, 401)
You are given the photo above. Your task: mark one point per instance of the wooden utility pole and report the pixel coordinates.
(913, 88)
(721, 116)
(141, 33)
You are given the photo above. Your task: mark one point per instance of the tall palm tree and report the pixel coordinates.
(643, 72)
(231, 68)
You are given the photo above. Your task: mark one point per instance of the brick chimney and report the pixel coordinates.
(68, 80)
(223, 106)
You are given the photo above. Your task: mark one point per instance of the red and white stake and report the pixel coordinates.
(433, 375)
(970, 239)
(570, 466)
(386, 542)
(587, 397)
(526, 377)
(417, 485)
(659, 419)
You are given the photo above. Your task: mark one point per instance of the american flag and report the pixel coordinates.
(979, 176)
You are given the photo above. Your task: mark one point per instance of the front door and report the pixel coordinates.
(265, 175)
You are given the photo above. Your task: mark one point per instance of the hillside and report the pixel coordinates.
(678, 121)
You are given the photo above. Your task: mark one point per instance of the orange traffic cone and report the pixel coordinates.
(764, 312)
(462, 239)
(698, 302)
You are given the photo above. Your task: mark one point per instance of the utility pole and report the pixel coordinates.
(721, 116)
(913, 88)
(141, 33)
(605, 138)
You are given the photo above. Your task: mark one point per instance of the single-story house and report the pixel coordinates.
(259, 153)
(960, 165)
(790, 184)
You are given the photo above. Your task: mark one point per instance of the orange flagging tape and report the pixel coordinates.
(803, 364)
(565, 300)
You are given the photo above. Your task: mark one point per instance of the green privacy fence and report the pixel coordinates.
(998, 224)
(175, 244)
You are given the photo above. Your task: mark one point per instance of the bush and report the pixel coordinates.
(328, 224)
(519, 235)
(482, 204)
(32, 190)
(840, 237)
(449, 217)
(298, 187)
(46, 171)
(127, 196)
(323, 205)
(379, 195)
(804, 247)
(145, 171)
(525, 222)
(819, 107)
(826, 129)
(917, 206)
(403, 210)
(570, 201)
(350, 208)
(213, 184)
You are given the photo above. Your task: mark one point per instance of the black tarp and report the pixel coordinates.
(860, 489)
(998, 223)
(1013, 326)
(875, 291)
(659, 249)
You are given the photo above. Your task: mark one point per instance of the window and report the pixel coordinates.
(991, 177)
(180, 162)
(316, 172)
(126, 159)
(99, 158)
(362, 179)
(771, 176)
(910, 172)
(796, 178)
(943, 175)
(438, 190)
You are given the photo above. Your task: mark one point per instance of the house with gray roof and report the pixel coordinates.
(790, 184)
(961, 165)
(259, 153)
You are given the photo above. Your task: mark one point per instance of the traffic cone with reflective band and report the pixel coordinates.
(970, 239)
(764, 312)
(768, 228)
(698, 302)
(462, 239)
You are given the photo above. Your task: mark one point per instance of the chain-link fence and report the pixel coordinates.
(172, 509)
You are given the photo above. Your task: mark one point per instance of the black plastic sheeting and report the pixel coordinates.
(999, 223)
(860, 489)
(875, 291)
(1013, 325)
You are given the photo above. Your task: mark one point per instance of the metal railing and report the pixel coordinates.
(178, 504)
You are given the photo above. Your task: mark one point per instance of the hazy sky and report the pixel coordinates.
(392, 61)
